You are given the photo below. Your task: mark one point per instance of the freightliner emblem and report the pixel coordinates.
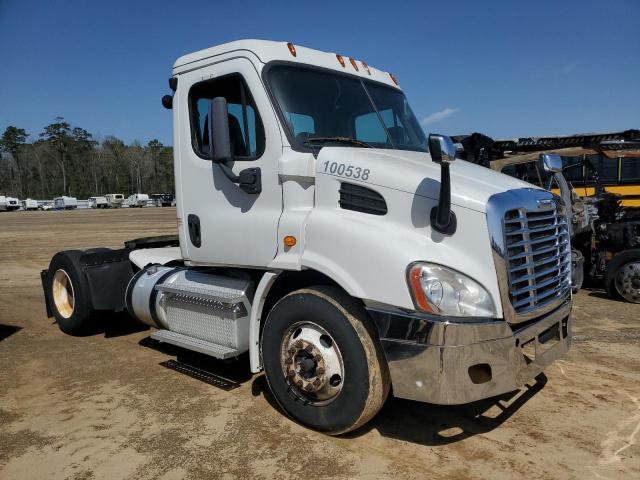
(546, 204)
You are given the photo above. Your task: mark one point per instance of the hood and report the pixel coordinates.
(415, 173)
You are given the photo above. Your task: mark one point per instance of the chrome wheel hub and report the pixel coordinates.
(628, 282)
(312, 363)
(63, 294)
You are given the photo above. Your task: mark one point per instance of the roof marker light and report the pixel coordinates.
(340, 59)
(292, 49)
(366, 67)
(353, 63)
(393, 77)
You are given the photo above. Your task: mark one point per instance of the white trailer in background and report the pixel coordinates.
(29, 204)
(138, 200)
(98, 202)
(8, 204)
(65, 203)
(114, 200)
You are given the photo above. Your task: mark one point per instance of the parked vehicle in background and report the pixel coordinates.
(29, 204)
(606, 215)
(8, 204)
(162, 199)
(323, 233)
(65, 203)
(114, 200)
(98, 202)
(138, 200)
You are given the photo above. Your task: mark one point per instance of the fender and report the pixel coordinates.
(262, 290)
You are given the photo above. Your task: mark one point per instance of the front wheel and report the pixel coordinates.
(622, 276)
(323, 361)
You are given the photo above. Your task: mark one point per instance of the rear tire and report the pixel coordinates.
(622, 276)
(323, 361)
(68, 292)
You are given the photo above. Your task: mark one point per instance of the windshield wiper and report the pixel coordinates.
(348, 140)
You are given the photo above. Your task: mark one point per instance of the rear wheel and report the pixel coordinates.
(323, 361)
(622, 276)
(69, 293)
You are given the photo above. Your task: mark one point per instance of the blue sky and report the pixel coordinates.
(504, 68)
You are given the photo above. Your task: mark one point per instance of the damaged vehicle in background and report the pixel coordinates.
(606, 212)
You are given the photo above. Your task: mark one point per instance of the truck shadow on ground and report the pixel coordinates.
(7, 330)
(434, 425)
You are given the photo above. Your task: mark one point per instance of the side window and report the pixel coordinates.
(630, 169)
(301, 123)
(572, 169)
(607, 168)
(245, 127)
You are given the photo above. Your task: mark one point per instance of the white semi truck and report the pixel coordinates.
(321, 233)
(9, 204)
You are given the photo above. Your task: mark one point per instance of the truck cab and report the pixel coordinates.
(324, 234)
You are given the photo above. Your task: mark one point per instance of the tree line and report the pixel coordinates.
(67, 160)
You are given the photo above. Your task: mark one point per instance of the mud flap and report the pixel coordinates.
(44, 278)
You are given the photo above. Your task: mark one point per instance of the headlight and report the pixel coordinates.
(443, 291)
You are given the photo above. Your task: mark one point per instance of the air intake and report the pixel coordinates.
(362, 199)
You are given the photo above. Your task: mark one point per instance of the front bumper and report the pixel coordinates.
(438, 361)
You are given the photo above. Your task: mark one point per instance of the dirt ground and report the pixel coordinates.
(103, 406)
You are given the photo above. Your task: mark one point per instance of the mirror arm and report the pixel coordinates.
(226, 169)
(443, 220)
(249, 180)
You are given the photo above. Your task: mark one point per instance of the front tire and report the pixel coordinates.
(68, 292)
(323, 361)
(622, 276)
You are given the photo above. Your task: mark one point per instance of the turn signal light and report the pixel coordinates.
(418, 292)
(292, 48)
(289, 241)
(393, 77)
(366, 67)
(340, 59)
(353, 63)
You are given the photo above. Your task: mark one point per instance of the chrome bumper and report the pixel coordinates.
(449, 363)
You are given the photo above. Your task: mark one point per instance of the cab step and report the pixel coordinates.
(195, 344)
(200, 374)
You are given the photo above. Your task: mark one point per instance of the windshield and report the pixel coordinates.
(321, 107)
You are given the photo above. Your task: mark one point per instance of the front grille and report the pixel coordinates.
(538, 257)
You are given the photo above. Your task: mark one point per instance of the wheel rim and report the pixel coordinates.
(63, 295)
(312, 363)
(628, 282)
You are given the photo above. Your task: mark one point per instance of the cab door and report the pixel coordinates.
(220, 223)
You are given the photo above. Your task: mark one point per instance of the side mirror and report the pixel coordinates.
(550, 162)
(219, 139)
(441, 148)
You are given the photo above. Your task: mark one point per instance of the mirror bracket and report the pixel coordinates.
(449, 228)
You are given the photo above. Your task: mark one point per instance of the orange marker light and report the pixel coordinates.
(292, 49)
(366, 67)
(393, 77)
(353, 63)
(416, 288)
(340, 59)
(289, 241)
